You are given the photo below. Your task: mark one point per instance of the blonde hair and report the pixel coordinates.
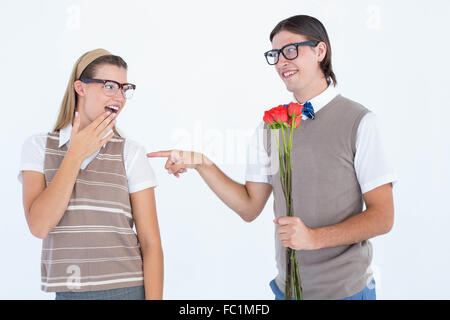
(69, 102)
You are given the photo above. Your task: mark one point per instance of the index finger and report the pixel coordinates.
(286, 220)
(94, 124)
(163, 153)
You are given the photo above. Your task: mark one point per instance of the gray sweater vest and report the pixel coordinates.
(325, 191)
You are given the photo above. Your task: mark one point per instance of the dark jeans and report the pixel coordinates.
(368, 293)
(129, 293)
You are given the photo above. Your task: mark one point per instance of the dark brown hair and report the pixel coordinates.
(312, 29)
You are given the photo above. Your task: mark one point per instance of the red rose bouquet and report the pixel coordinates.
(287, 118)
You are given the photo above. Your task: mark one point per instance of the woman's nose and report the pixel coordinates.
(120, 95)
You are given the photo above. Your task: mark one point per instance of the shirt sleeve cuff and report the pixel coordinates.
(141, 186)
(389, 178)
(28, 167)
(258, 178)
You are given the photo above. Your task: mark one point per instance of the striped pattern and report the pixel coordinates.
(94, 246)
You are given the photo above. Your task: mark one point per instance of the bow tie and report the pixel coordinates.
(308, 110)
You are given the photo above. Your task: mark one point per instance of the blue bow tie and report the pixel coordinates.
(308, 110)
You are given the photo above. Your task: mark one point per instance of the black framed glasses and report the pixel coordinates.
(110, 87)
(289, 51)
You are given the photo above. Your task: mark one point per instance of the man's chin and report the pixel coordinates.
(292, 87)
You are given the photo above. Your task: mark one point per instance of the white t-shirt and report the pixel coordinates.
(372, 165)
(140, 174)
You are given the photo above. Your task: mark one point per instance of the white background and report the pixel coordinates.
(203, 84)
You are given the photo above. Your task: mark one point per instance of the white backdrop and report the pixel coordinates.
(203, 84)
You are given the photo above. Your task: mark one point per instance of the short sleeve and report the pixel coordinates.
(33, 154)
(140, 174)
(258, 166)
(372, 165)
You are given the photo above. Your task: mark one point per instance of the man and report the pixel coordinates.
(337, 164)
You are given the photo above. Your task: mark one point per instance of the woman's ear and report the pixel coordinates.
(321, 51)
(79, 88)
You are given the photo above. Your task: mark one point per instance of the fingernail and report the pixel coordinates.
(108, 112)
(77, 114)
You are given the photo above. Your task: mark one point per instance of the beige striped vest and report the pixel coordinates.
(93, 247)
(325, 191)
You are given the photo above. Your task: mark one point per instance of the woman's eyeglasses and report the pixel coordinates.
(110, 87)
(289, 51)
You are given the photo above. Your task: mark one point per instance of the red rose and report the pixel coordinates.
(280, 114)
(295, 108)
(268, 117)
(281, 117)
(296, 123)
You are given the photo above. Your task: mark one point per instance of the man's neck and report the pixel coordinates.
(313, 90)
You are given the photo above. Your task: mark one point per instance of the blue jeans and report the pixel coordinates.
(129, 293)
(368, 293)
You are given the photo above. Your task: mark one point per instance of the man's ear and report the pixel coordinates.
(321, 50)
(79, 88)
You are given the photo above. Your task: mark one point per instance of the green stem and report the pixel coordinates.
(291, 135)
(287, 160)
(297, 281)
(281, 162)
(284, 139)
(288, 281)
(281, 157)
(292, 270)
(287, 191)
(292, 282)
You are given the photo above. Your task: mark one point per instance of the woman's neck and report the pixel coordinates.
(84, 121)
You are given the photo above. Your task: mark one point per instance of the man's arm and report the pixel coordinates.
(377, 219)
(246, 200)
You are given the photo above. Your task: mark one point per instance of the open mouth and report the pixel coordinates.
(289, 74)
(112, 108)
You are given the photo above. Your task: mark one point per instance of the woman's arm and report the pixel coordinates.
(45, 206)
(144, 213)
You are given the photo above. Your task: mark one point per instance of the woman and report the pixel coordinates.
(338, 163)
(85, 186)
